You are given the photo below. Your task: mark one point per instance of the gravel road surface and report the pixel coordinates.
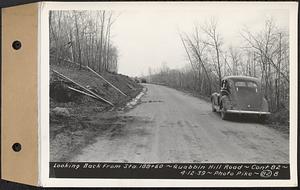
(172, 126)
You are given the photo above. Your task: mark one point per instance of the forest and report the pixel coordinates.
(83, 37)
(263, 54)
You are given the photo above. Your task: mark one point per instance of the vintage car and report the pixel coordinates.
(240, 95)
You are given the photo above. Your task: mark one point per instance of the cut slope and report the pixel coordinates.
(74, 122)
(90, 80)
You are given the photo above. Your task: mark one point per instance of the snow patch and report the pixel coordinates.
(135, 100)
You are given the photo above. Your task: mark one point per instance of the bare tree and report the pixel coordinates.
(265, 55)
(76, 17)
(83, 37)
(215, 42)
(235, 59)
(267, 45)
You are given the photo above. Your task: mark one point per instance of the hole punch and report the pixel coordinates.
(17, 147)
(17, 45)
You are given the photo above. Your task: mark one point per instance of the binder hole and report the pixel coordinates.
(17, 147)
(16, 45)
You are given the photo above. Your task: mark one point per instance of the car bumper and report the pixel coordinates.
(248, 112)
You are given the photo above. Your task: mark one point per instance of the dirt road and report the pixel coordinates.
(171, 126)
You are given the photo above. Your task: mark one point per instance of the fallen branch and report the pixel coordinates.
(64, 77)
(79, 91)
(106, 80)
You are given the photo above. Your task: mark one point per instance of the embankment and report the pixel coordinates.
(75, 114)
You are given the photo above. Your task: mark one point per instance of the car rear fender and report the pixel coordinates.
(265, 105)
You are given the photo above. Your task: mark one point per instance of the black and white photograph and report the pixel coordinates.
(169, 85)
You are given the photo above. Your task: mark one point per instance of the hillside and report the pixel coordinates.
(74, 116)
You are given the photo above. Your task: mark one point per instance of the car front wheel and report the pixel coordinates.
(262, 118)
(213, 109)
(224, 115)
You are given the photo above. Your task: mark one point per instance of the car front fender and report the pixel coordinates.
(225, 102)
(214, 98)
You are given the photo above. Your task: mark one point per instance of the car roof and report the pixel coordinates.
(241, 78)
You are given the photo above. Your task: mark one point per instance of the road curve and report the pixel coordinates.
(171, 126)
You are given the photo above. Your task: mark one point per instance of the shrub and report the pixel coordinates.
(280, 117)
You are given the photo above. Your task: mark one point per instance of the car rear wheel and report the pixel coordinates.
(262, 118)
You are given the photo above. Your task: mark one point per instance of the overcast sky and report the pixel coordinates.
(146, 38)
